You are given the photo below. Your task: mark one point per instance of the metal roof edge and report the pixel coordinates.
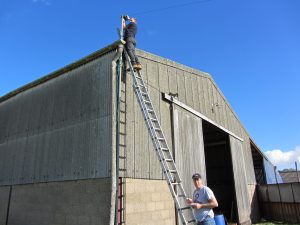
(169, 62)
(59, 72)
(259, 150)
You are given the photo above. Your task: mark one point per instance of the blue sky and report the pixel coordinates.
(251, 48)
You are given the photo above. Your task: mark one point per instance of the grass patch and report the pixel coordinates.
(276, 223)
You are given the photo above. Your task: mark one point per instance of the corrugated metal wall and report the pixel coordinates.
(195, 89)
(280, 202)
(60, 129)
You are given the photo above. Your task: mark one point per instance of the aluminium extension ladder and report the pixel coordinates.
(162, 150)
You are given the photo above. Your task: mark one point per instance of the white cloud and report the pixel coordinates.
(46, 2)
(284, 159)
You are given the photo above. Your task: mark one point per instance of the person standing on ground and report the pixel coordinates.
(203, 202)
(130, 31)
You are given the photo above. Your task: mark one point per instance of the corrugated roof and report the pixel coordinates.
(289, 176)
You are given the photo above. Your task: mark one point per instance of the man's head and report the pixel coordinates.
(133, 20)
(197, 180)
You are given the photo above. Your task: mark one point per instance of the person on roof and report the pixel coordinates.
(130, 31)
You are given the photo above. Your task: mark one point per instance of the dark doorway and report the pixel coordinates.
(258, 163)
(219, 170)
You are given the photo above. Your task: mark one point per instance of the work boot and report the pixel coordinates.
(138, 66)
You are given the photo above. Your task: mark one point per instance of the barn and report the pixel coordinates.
(74, 147)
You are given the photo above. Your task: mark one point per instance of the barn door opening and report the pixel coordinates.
(219, 170)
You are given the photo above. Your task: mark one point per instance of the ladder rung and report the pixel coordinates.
(181, 196)
(191, 221)
(144, 93)
(147, 102)
(164, 149)
(175, 183)
(157, 129)
(161, 139)
(153, 119)
(185, 208)
(169, 160)
(172, 171)
(150, 110)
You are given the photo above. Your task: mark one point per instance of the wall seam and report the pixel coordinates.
(8, 205)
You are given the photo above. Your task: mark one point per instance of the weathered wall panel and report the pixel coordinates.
(71, 202)
(241, 189)
(280, 202)
(60, 129)
(189, 147)
(4, 202)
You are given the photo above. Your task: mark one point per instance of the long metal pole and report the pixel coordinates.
(281, 204)
(298, 179)
(118, 103)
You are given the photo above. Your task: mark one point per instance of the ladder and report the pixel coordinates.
(163, 152)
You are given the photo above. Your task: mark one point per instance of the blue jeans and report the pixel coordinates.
(207, 221)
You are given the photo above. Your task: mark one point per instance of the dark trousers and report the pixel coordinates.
(130, 47)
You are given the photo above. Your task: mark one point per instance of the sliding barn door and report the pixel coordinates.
(240, 181)
(189, 147)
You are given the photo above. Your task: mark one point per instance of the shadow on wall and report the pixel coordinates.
(255, 209)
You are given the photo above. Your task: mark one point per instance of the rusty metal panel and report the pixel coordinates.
(296, 191)
(189, 147)
(59, 129)
(274, 195)
(263, 193)
(286, 209)
(286, 193)
(240, 182)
